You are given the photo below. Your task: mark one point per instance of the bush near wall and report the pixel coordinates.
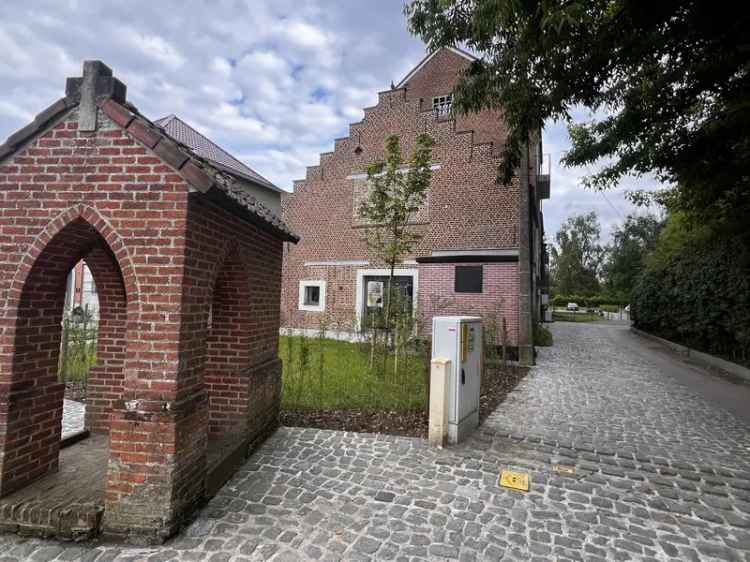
(699, 298)
(596, 301)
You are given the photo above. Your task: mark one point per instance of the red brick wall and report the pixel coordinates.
(466, 207)
(237, 267)
(228, 349)
(104, 386)
(497, 301)
(53, 192)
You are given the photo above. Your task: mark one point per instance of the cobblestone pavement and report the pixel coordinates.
(73, 414)
(661, 474)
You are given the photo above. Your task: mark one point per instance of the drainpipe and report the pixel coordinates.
(525, 316)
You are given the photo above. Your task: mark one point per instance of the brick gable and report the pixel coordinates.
(466, 209)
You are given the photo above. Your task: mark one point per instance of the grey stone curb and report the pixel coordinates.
(698, 356)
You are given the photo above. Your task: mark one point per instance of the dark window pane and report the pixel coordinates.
(468, 279)
(312, 296)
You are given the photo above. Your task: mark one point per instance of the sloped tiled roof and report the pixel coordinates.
(205, 147)
(213, 180)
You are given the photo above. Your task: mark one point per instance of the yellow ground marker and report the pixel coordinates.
(515, 480)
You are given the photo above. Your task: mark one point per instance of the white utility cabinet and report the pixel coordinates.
(459, 339)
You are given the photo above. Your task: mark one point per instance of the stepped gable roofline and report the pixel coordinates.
(428, 58)
(99, 89)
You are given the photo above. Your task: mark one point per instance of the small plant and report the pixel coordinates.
(78, 346)
(504, 342)
(320, 355)
(304, 364)
(489, 340)
(542, 336)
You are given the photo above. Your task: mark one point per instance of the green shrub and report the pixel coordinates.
(590, 301)
(542, 336)
(77, 349)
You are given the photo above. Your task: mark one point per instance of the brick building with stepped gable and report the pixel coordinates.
(482, 249)
(187, 264)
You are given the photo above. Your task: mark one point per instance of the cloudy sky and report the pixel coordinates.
(272, 81)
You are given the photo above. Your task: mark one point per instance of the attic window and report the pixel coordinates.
(441, 105)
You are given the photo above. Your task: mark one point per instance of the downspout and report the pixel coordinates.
(525, 316)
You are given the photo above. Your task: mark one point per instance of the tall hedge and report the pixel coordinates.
(700, 298)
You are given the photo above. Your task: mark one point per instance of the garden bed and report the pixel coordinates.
(347, 395)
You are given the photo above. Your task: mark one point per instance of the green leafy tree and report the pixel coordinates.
(396, 192)
(577, 256)
(669, 84)
(625, 257)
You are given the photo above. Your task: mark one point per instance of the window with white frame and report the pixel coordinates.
(441, 105)
(312, 295)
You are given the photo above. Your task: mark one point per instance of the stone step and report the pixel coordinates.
(67, 504)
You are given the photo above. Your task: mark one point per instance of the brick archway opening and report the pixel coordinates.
(31, 440)
(228, 356)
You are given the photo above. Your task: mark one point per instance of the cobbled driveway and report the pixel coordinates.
(661, 474)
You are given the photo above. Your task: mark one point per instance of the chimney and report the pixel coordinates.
(97, 82)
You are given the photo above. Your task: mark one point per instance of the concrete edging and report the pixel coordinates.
(699, 356)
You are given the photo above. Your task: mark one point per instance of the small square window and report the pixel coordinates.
(312, 295)
(441, 105)
(469, 279)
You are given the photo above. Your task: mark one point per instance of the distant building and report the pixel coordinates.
(81, 291)
(482, 249)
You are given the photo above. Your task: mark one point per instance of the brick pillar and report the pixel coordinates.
(156, 469)
(105, 380)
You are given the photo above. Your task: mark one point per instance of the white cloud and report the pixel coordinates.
(273, 81)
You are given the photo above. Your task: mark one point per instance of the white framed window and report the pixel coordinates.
(361, 294)
(312, 295)
(441, 105)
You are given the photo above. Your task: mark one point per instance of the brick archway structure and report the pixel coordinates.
(168, 235)
(30, 441)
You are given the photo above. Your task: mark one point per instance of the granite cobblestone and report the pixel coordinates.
(661, 474)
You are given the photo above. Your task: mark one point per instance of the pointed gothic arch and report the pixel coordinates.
(33, 328)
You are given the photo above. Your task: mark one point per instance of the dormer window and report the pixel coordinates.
(441, 105)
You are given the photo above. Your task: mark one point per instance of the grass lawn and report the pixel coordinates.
(575, 316)
(335, 375)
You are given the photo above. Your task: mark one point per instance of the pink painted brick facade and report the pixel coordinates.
(497, 302)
